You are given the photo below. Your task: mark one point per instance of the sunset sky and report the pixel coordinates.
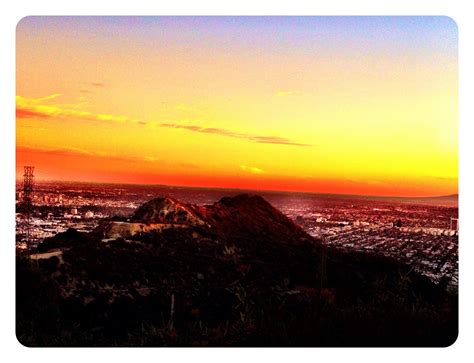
(323, 104)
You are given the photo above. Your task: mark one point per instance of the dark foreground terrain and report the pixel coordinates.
(235, 273)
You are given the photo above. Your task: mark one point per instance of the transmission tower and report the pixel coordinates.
(28, 185)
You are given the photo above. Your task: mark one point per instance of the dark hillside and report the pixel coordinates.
(235, 273)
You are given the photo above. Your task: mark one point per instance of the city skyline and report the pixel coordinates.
(20, 181)
(344, 105)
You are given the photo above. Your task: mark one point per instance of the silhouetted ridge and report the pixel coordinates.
(239, 218)
(252, 217)
(244, 199)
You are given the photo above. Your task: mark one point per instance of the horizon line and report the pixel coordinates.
(244, 189)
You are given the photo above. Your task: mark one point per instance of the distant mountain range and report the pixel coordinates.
(234, 273)
(446, 200)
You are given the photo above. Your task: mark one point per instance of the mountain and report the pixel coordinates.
(237, 272)
(442, 201)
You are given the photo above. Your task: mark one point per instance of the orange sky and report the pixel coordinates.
(332, 105)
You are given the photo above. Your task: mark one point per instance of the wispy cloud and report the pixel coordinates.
(97, 84)
(36, 101)
(47, 98)
(286, 93)
(91, 87)
(252, 169)
(443, 178)
(262, 139)
(38, 108)
(71, 151)
(25, 113)
(55, 151)
(185, 107)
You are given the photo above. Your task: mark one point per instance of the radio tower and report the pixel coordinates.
(28, 184)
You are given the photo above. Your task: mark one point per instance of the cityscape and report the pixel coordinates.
(423, 234)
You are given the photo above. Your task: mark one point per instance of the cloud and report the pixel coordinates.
(54, 151)
(367, 181)
(186, 107)
(71, 151)
(24, 113)
(23, 101)
(34, 108)
(443, 178)
(48, 98)
(251, 169)
(188, 165)
(90, 87)
(261, 139)
(108, 157)
(287, 93)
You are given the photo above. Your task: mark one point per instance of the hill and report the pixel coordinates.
(234, 273)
